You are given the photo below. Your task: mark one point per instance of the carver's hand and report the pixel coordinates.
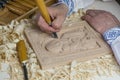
(58, 14)
(101, 20)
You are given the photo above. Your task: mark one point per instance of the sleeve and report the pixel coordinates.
(75, 5)
(69, 3)
(112, 37)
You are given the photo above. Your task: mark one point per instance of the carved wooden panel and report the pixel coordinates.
(77, 41)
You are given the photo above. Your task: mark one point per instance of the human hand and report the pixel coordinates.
(58, 14)
(101, 20)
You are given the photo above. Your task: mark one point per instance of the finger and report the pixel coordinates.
(57, 23)
(43, 30)
(95, 11)
(51, 12)
(44, 26)
(48, 28)
(91, 13)
(88, 18)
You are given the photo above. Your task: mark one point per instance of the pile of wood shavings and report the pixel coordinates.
(12, 33)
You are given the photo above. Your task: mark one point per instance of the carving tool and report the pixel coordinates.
(44, 13)
(22, 54)
(15, 10)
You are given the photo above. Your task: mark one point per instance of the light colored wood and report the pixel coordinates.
(77, 41)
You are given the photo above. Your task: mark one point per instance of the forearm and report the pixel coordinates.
(112, 36)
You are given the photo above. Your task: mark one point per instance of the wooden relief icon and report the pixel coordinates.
(77, 41)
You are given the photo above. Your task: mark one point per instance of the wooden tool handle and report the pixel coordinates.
(15, 9)
(22, 51)
(43, 10)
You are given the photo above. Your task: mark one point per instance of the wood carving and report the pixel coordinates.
(77, 41)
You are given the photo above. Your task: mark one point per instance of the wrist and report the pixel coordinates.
(111, 34)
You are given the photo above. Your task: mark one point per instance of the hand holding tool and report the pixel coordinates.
(44, 13)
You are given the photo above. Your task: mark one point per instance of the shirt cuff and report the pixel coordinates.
(69, 4)
(111, 34)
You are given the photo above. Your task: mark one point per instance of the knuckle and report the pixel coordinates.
(56, 26)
